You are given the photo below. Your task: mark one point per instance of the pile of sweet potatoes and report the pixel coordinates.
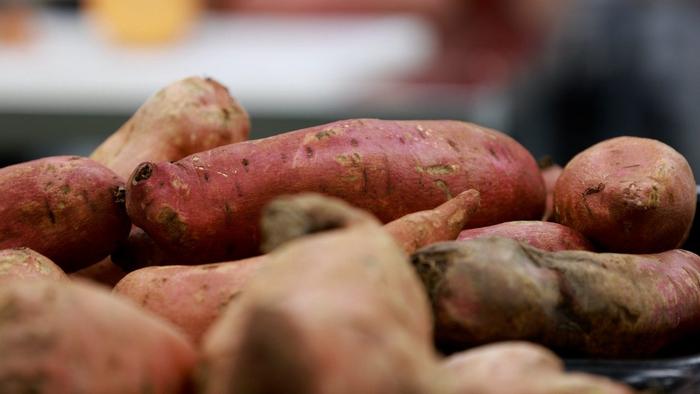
(349, 257)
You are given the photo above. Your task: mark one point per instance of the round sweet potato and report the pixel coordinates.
(542, 235)
(628, 194)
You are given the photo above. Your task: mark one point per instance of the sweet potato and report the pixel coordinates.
(597, 304)
(24, 263)
(340, 311)
(550, 174)
(206, 207)
(192, 297)
(443, 223)
(68, 208)
(520, 368)
(185, 117)
(628, 194)
(542, 235)
(72, 337)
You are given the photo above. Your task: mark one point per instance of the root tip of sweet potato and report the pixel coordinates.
(142, 172)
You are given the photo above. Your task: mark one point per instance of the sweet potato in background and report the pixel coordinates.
(628, 194)
(185, 117)
(542, 235)
(206, 207)
(68, 208)
(520, 368)
(340, 311)
(24, 263)
(592, 304)
(68, 337)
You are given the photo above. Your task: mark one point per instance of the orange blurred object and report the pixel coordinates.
(14, 23)
(144, 21)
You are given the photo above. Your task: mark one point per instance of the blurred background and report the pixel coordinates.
(557, 75)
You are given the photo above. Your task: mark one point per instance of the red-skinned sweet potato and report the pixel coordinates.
(542, 235)
(520, 368)
(628, 194)
(68, 208)
(188, 116)
(192, 297)
(24, 263)
(207, 206)
(340, 311)
(597, 304)
(66, 337)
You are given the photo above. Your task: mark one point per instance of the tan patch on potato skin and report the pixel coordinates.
(628, 194)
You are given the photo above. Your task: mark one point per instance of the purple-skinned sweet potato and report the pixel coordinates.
(593, 304)
(24, 263)
(628, 195)
(66, 337)
(542, 235)
(336, 311)
(68, 208)
(206, 207)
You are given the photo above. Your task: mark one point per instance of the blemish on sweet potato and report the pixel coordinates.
(309, 152)
(174, 227)
(437, 169)
(49, 211)
(442, 185)
(593, 190)
(143, 172)
(354, 142)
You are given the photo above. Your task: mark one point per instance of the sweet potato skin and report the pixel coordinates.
(185, 117)
(68, 208)
(443, 223)
(71, 337)
(628, 194)
(191, 297)
(515, 367)
(24, 263)
(390, 168)
(339, 311)
(542, 235)
(595, 304)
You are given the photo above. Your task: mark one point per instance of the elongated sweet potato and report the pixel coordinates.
(69, 337)
(520, 368)
(207, 206)
(192, 297)
(185, 117)
(542, 235)
(68, 208)
(340, 311)
(628, 194)
(598, 304)
(24, 263)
